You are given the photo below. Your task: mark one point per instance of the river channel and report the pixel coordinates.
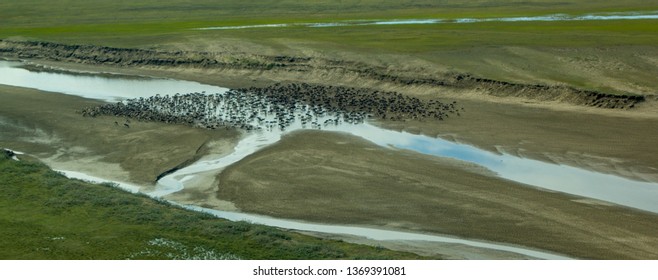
(554, 177)
(552, 17)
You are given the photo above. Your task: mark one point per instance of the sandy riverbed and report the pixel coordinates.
(554, 134)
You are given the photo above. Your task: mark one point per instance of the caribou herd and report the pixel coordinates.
(276, 106)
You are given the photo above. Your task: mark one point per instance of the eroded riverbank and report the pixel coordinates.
(312, 69)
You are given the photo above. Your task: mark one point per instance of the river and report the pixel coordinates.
(552, 17)
(555, 177)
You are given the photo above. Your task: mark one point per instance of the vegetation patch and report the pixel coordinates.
(44, 215)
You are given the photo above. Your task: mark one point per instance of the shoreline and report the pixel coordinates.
(460, 122)
(640, 117)
(313, 70)
(386, 235)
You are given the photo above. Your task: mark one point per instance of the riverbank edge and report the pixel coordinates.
(237, 66)
(66, 225)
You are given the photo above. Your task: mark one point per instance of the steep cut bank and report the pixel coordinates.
(301, 68)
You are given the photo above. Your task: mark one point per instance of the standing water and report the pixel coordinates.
(555, 177)
(568, 179)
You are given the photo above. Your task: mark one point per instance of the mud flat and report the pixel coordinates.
(48, 125)
(473, 217)
(614, 141)
(313, 69)
(90, 159)
(608, 142)
(340, 179)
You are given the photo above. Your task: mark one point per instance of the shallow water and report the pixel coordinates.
(641, 195)
(14, 157)
(552, 17)
(375, 234)
(97, 180)
(105, 87)
(562, 178)
(554, 177)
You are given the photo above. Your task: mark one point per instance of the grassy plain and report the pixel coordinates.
(153, 23)
(615, 55)
(324, 177)
(35, 13)
(44, 215)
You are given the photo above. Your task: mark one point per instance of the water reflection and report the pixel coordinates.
(103, 87)
(562, 178)
(555, 177)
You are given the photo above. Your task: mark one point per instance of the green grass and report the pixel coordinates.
(433, 37)
(44, 215)
(406, 39)
(150, 22)
(38, 12)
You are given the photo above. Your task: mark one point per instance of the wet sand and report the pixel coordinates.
(438, 250)
(340, 179)
(592, 139)
(48, 125)
(603, 140)
(613, 143)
